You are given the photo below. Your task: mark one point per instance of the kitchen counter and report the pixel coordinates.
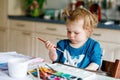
(100, 25)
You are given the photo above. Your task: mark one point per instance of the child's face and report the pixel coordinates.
(75, 32)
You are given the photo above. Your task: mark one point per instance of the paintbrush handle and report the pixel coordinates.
(42, 40)
(54, 46)
(50, 67)
(38, 73)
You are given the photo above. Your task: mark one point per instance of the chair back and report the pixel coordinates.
(116, 72)
(111, 68)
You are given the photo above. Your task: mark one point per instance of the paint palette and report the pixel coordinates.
(50, 74)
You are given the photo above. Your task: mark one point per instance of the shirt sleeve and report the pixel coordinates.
(97, 54)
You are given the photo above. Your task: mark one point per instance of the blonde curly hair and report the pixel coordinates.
(90, 19)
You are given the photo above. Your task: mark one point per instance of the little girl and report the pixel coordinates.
(79, 49)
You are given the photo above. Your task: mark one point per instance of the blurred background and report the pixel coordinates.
(105, 9)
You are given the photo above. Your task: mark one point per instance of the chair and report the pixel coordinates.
(111, 68)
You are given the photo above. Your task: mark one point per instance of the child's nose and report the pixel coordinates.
(72, 35)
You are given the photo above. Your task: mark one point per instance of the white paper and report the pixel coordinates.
(5, 56)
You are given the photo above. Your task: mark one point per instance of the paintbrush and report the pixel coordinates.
(44, 41)
(38, 73)
(31, 75)
(50, 67)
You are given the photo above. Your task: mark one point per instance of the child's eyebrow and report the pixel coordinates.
(68, 30)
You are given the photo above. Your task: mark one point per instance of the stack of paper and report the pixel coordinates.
(5, 56)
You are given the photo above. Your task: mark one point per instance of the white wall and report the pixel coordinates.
(57, 4)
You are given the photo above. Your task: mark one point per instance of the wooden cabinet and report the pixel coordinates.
(3, 13)
(21, 37)
(51, 32)
(3, 26)
(40, 50)
(111, 53)
(110, 43)
(3, 39)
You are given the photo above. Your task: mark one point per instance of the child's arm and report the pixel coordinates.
(92, 66)
(52, 50)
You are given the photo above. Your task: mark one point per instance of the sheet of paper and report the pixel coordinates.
(5, 56)
(5, 76)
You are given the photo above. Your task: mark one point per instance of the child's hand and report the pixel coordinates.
(52, 50)
(50, 46)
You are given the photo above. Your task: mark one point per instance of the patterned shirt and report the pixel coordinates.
(79, 57)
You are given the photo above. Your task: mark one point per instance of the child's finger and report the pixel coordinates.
(49, 44)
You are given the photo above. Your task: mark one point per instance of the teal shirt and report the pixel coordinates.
(79, 57)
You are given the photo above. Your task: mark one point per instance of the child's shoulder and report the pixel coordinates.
(91, 40)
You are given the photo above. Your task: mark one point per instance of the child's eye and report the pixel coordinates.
(76, 33)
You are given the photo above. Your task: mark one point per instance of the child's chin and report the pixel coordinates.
(73, 42)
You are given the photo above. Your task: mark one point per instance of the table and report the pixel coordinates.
(79, 73)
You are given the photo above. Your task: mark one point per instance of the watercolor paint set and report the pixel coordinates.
(48, 73)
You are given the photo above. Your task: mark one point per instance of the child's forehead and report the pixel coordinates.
(79, 22)
(75, 29)
(75, 25)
